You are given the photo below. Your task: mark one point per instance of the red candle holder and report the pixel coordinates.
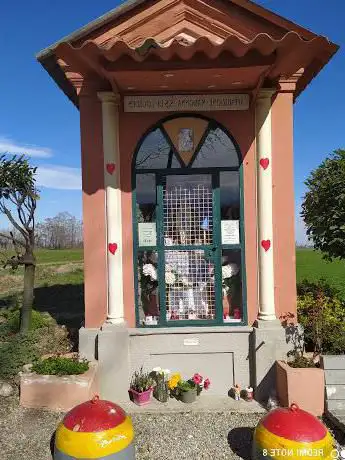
(237, 313)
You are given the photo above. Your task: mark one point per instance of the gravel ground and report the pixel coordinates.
(27, 433)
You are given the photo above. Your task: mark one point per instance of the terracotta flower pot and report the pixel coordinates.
(303, 386)
(188, 396)
(141, 399)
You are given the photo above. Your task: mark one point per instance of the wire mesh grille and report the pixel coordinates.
(190, 292)
(188, 220)
(188, 210)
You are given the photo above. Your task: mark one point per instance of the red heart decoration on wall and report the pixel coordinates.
(266, 244)
(111, 167)
(264, 162)
(112, 247)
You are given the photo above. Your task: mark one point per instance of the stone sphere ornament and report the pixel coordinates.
(96, 429)
(292, 433)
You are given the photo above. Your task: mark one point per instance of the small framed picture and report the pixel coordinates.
(185, 140)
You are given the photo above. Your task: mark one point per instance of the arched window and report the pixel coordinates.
(188, 225)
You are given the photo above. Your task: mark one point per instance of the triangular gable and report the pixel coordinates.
(185, 22)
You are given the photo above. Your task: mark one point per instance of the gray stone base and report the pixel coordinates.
(114, 358)
(227, 355)
(268, 344)
(88, 339)
(220, 353)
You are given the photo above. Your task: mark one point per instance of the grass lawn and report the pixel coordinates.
(58, 256)
(58, 285)
(311, 266)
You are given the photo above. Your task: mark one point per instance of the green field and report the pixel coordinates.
(58, 285)
(59, 281)
(310, 265)
(57, 256)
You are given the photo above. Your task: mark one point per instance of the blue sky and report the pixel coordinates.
(36, 116)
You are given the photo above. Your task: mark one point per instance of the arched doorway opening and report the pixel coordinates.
(188, 225)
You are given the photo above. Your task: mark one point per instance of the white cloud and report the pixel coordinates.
(59, 177)
(9, 146)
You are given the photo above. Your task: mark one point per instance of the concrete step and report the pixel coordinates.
(333, 362)
(336, 405)
(204, 403)
(335, 391)
(335, 377)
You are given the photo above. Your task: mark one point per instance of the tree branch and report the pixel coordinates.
(14, 223)
(14, 240)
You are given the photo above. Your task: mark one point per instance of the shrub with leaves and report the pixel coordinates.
(17, 351)
(301, 362)
(38, 320)
(321, 312)
(45, 336)
(323, 209)
(60, 365)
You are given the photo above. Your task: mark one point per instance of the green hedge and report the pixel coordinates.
(321, 311)
(60, 366)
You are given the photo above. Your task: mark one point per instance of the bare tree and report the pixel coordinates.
(63, 231)
(18, 199)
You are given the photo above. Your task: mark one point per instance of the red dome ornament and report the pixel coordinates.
(95, 429)
(292, 433)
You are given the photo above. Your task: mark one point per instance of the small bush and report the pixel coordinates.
(38, 320)
(315, 287)
(301, 362)
(321, 312)
(17, 351)
(60, 366)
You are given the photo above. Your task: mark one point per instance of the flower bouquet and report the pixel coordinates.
(187, 390)
(149, 291)
(160, 391)
(231, 284)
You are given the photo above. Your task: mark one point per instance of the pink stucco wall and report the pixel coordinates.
(283, 205)
(93, 210)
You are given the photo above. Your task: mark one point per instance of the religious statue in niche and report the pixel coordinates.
(185, 140)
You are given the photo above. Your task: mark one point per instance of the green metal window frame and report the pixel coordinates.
(216, 247)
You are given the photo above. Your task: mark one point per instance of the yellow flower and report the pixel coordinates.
(173, 381)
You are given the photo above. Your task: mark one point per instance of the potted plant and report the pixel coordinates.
(161, 390)
(299, 378)
(231, 284)
(58, 382)
(321, 311)
(141, 387)
(187, 390)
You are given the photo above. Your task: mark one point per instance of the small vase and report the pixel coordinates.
(143, 398)
(188, 396)
(151, 305)
(226, 305)
(161, 392)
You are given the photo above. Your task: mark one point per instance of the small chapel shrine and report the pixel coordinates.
(186, 124)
